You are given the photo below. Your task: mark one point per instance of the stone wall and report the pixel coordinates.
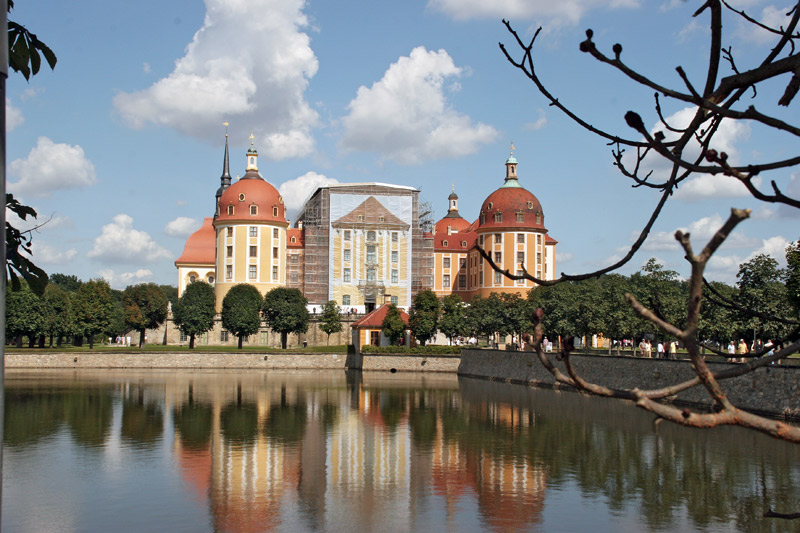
(772, 390)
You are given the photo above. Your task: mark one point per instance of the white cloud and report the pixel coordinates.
(771, 16)
(405, 115)
(704, 186)
(538, 124)
(51, 167)
(46, 254)
(725, 267)
(295, 192)
(14, 116)
(249, 60)
(564, 257)
(792, 190)
(558, 12)
(182, 227)
(123, 279)
(146, 67)
(700, 232)
(119, 242)
(30, 93)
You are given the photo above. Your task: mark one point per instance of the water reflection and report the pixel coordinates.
(327, 451)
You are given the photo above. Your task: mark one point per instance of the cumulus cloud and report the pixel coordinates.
(792, 190)
(557, 12)
(405, 115)
(700, 232)
(51, 167)
(564, 257)
(182, 227)
(250, 59)
(14, 116)
(725, 267)
(539, 123)
(295, 192)
(46, 254)
(119, 242)
(771, 16)
(120, 280)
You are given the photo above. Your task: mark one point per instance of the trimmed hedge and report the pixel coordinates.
(417, 350)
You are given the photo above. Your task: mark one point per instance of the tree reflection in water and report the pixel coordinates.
(382, 450)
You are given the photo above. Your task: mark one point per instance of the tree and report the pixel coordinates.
(331, 319)
(690, 150)
(68, 282)
(241, 309)
(793, 275)
(487, 316)
(93, 308)
(24, 315)
(58, 320)
(145, 307)
(424, 316)
(454, 317)
(762, 286)
(194, 312)
(393, 326)
(518, 314)
(285, 311)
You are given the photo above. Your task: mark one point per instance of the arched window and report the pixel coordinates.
(274, 211)
(230, 209)
(253, 209)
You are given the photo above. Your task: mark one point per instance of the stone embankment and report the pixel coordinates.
(774, 390)
(771, 390)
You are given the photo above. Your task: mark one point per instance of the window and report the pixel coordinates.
(275, 273)
(360, 218)
(483, 218)
(253, 209)
(229, 251)
(275, 211)
(491, 204)
(520, 238)
(394, 300)
(520, 217)
(530, 204)
(192, 279)
(254, 251)
(498, 257)
(230, 209)
(211, 280)
(346, 299)
(253, 231)
(462, 281)
(347, 234)
(370, 235)
(252, 272)
(394, 276)
(274, 233)
(346, 275)
(228, 271)
(241, 197)
(371, 258)
(498, 277)
(520, 281)
(446, 281)
(498, 217)
(481, 240)
(395, 256)
(371, 274)
(463, 244)
(394, 236)
(347, 254)
(446, 262)
(462, 263)
(229, 231)
(223, 335)
(539, 239)
(294, 240)
(444, 243)
(184, 337)
(383, 219)
(498, 238)
(521, 258)
(292, 277)
(274, 252)
(538, 217)
(538, 258)
(294, 258)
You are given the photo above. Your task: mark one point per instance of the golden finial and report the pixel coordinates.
(453, 186)
(251, 137)
(226, 129)
(512, 148)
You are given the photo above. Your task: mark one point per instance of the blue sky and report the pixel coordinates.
(120, 148)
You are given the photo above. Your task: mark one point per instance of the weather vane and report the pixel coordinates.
(251, 137)
(512, 148)
(226, 128)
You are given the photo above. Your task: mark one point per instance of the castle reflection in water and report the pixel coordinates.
(384, 447)
(329, 451)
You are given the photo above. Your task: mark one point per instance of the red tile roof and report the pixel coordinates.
(375, 318)
(200, 246)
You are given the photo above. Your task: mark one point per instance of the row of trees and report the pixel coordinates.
(598, 305)
(70, 308)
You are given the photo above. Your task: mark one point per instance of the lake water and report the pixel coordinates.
(330, 451)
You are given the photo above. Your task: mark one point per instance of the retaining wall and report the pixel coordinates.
(772, 390)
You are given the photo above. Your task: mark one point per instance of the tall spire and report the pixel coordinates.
(511, 170)
(225, 179)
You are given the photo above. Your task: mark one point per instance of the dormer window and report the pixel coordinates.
(230, 209)
(241, 197)
(491, 204)
(275, 211)
(483, 218)
(538, 217)
(530, 204)
(294, 239)
(254, 209)
(498, 217)
(520, 217)
(463, 244)
(383, 219)
(360, 218)
(444, 243)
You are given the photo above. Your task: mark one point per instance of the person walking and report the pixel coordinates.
(731, 352)
(741, 350)
(673, 350)
(660, 350)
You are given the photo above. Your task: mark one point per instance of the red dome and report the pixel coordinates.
(455, 223)
(502, 210)
(249, 192)
(200, 246)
